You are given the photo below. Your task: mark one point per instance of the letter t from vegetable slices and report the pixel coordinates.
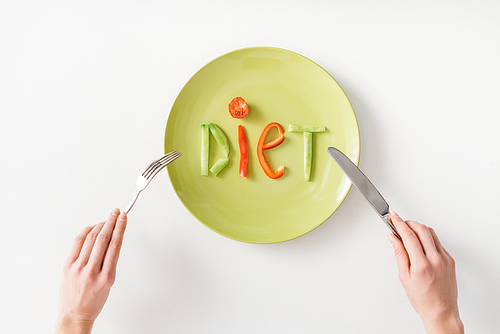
(307, 131)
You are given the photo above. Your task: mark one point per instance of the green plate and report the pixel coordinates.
(279, 86)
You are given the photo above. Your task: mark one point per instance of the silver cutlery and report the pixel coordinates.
(365, 186)
(150, 172)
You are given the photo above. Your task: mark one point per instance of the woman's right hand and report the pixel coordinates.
(427, 273)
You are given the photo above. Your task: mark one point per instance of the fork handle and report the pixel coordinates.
(134, 199)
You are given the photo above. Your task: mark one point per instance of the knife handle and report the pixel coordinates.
(390, 225)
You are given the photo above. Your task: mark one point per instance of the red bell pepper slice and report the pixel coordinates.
(261, 146)
(242, 140)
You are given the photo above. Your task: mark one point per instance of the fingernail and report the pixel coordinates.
(122, 216)
(115, 212)
(394, 214)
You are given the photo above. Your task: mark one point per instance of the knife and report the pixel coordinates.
(364, 185)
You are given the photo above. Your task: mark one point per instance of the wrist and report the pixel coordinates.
(446, 324)
(70, 324)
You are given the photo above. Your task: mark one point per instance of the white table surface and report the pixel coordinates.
(85, 91)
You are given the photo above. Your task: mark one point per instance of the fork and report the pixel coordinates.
(149, 173)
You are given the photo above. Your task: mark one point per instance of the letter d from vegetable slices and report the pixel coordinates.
(221, 139)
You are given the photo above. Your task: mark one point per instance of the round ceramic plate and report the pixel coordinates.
(279, 86)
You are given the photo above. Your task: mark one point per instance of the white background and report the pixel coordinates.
(85, 91)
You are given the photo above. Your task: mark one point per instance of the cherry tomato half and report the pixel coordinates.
(238, 108)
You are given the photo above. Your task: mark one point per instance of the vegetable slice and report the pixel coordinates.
(205, 148)
(242, 140)
(238, 108)
(220, 137)
(219, 166)
(261, 146)
(308, 141)
(305, 128)
(307, 131)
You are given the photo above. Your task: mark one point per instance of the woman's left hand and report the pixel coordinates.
(88, 274)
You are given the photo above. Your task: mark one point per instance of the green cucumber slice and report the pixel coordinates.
(221, 139)
(205, 148)
(219, 166)
(308, 144)
(305, 128)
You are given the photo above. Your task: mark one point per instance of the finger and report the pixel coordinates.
(115, 245)
(89, 244)
(437, 242)
(402, 259)
(77, 245)
(425, 237)
(102, 241)
(446, 252)
(410, 239)
(441, 245)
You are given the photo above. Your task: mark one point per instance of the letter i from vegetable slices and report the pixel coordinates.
(242, 141)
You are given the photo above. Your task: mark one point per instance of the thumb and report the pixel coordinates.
(395, 218)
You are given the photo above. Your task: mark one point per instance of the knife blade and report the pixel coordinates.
(364, 185)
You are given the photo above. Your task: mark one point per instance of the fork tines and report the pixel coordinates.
(159, 164)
